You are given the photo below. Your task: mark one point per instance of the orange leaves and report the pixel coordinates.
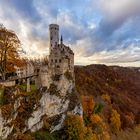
(9, 45)
(87, 104)
(95, 119)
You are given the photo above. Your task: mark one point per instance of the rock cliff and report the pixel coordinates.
(48, 107)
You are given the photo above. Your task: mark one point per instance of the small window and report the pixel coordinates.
(58, 66)
(55, 60)
(51, 38)
(52, 60)
(59, 60)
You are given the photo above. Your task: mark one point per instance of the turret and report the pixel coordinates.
(54, 36)
(61, 40)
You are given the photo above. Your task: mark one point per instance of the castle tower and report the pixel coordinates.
(54, 36)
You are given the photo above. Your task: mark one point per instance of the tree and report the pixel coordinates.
(87, 104)
(115, 121)
(9, 46)
(75, 129)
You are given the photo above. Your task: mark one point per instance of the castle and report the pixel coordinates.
(60, 59)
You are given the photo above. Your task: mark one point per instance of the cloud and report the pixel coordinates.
(103, 31)
(117, 13)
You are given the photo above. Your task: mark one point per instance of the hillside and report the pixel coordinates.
(120, 83)
(110, 109)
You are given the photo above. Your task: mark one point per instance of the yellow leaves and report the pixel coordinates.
(99, 127)
(106, 136)
(76, 130)
(106, 98)
(115, 121)
(75, 127)
(89, 134)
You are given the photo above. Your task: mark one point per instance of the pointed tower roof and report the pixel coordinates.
(61, 40)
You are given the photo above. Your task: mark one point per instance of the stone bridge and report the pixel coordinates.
(11, 81)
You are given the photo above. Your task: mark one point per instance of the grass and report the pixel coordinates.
(33, 87)
(45, 135)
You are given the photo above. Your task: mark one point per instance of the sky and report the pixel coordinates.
(98, 31)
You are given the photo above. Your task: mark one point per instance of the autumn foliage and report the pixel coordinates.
(87, 104)
(76, 129)
(115, 121)
(9, 51)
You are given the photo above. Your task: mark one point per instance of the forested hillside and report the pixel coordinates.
(115, 88)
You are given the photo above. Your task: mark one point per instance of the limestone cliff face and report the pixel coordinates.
(49, 106)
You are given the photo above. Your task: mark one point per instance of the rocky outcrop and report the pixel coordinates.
(50, 105)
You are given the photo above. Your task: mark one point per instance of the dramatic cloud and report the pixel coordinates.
(103, 31)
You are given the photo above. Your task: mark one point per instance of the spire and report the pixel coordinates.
(61, 40)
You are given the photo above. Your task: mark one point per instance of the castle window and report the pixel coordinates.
(58, 66)
(55, 60)
(52, 60)
(59, 60)
(51, 37)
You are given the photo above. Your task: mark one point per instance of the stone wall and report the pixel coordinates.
(8, 83)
